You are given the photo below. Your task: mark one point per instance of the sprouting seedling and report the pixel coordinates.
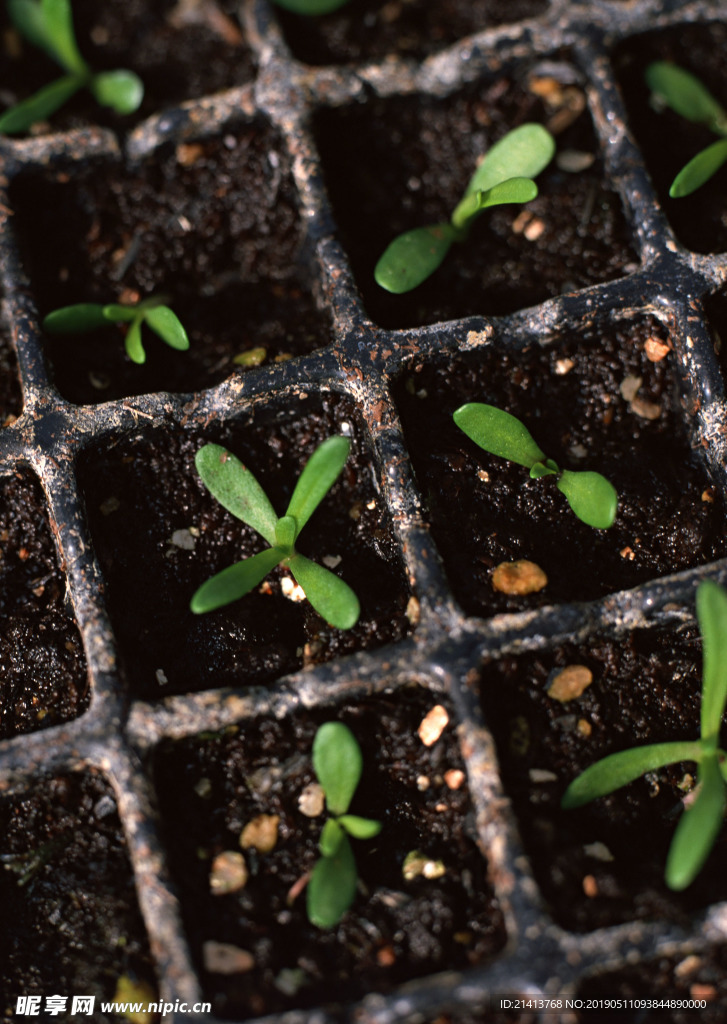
(311, 7)
(699, 825)
(235, 487)
(48, 24)
(674, 87)
(591, 496)
(504, 176)
(89, 316)
(337, 762)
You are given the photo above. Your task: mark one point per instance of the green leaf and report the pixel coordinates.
(59, 29)
(40, 106)
(311, 7)
(166, 324)
(28, 18)
(120, 314)
(319, 474)
(499, 433)
(712, 618)
(413, 257)
(591, 496)
(285, 533)
(541, 469)
(686, 95)
(332, 887)
(522, 153)
(235, 581)
(337, 762)
(514, 190)
(699, 169)
(360, 828)
(86, 316)
(121, 90)
(617, 770)
(699, 826)
(132, 342)
(330, 596)
(236, 489)
(331, 837)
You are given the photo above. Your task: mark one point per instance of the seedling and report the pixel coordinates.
(236, 488)
(311, 7)
(699, 825)
(337, 762)
(593, 499)
(674, 87)
(89, 316)
(48, 24)
(504, 176)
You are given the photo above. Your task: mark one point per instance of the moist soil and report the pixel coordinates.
(484, 510)
(43, 677)
(140, 492)
(11, 402)
(210, 788)
(71, 919)
(669, 141)
(395, 165)
(211, 225)
(371, 29)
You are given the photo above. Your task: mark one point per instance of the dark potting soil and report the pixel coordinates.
(11, 401)
(43, 677)
(212, 225)
(669, 141)
(210, 788)
(71, 922)
(371, 29)
(716, 309)
(484, 510)
(180, 52)
(394, 165)
(603, 863)
(139, 492)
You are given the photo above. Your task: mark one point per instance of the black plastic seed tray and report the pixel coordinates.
(138, 739)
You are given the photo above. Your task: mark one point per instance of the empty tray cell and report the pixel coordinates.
(602, 863)
(67, 887)
(371, 29)
(180, 51)
(212, 226)
(395, 165)
(220, 793)
(160, 534)
(668, 140)
(43, 677)
(597, 402)
(11, 401)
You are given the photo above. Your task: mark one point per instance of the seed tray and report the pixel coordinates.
(368, 367)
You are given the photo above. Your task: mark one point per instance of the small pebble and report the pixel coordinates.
(705, 992)
(183, 539)
(416, 864)
(572, 161)
(331, 561)
(224, 958)
(540, 775)
(189, 153)
(413, 611)
(228, 873)
(292, 590)
(261, 833)
(590, 886)
(386, 957)
(518, 578)
(253, 357)
(645, 409)
(599, 851)
(422, 783)
(312, 800)
(564, 366)
(629, 386)
(454, 778)
(570, 682)
(655, 350)
(433, 725)
(687, 966)
(584, 727)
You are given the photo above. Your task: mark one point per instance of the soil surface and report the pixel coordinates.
(371, 29)
(394, 165)
(210, 789)
(42, 663)
(667, 140)
(140, 492)
(484, 510)
(71, 919)
(211, 225)
(11, 402)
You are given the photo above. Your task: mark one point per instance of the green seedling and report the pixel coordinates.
(504, 176)
(48, 24)
(235, 487)
(311, 7)
(89, 316)
(593, 499)
(699, 825)
(337, 762)
(674, 87)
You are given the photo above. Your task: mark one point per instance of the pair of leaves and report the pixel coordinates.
(591, 496)
(89, 316)
(237, 489)
(48, 24)
(700, 824)
(504, 176)
(674, 87)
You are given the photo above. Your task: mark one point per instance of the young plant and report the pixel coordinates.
(337, 762)
(48, 24)
(89, 316)
(593, 499)
(674, 87)
(700, 824)
(235, 487)
(504, 176)
(311, 7)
